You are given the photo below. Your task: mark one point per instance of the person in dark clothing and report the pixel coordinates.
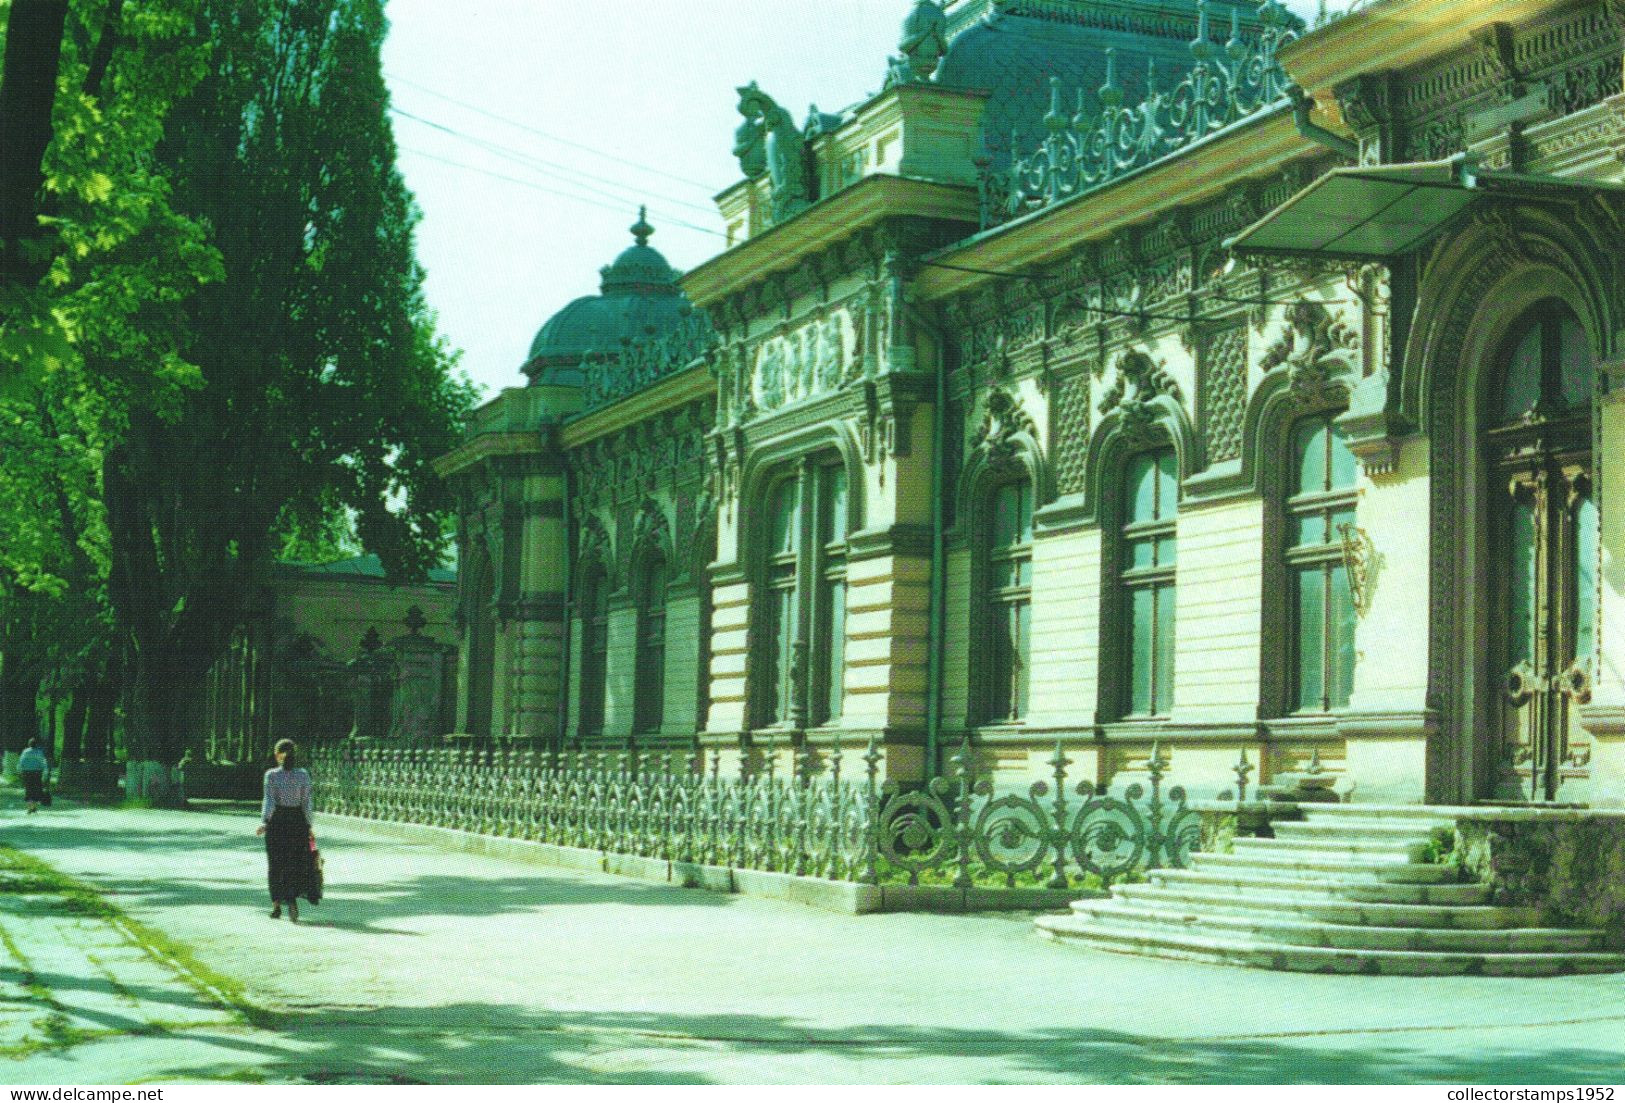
(33, 769)
(285, 820)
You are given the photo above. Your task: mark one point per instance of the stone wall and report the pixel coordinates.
(1570, 868)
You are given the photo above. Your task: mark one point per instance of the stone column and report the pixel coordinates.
(1604, 715)
(538, 669)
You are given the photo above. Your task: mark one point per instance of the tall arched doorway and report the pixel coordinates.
(1540, 583)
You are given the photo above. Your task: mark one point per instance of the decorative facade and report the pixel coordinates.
(1225, 393)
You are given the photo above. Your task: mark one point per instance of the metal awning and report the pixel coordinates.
(1373, 213)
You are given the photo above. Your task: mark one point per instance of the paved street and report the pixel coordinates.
(428, 966)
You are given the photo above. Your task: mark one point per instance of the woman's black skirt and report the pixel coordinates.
(34, 786)
(292, 863)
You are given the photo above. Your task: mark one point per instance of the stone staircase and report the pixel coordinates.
(1345, 890)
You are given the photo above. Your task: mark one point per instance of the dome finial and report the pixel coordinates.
(641, 228)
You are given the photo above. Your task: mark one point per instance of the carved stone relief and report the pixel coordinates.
(806, 362)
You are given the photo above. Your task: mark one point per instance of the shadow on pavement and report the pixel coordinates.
(483, 1043)
(367, 906)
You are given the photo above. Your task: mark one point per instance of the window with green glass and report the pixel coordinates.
(594, 650)
(1147, 577)
(829, 615)
(784, 524)
(1009, 601)
(1320, 508)
(649, 706)
(805, 576)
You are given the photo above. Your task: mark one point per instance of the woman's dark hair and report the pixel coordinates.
(289, 748)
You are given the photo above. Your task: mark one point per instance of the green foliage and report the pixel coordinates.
(1440, 848)
(323, 392)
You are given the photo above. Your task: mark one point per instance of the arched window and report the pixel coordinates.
(594, 607)
(802, 650)
(649, 700)
(1007, 597)
(1319, 508)
(1148, 551)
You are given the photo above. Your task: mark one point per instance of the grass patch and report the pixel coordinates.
(79, 898)
(25, 885)
(244, 1076)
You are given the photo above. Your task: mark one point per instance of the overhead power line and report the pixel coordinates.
(607, 202)
(709, 189)
(546, 168)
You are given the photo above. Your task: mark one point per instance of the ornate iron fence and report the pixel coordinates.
(956, 829)
(1226, 83)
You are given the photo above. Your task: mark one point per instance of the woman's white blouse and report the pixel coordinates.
(288, 789)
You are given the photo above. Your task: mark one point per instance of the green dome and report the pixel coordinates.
(638, 300)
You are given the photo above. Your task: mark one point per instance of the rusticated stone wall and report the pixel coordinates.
(1571, 869)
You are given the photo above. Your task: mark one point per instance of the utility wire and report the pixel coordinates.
(540, 165)
(608, 206)
(707, 188)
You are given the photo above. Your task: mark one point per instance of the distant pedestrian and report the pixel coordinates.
(35, 770)
(286, 816)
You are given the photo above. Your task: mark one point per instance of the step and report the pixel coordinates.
(1296, 931)
(1368, 889)
(1193, 946)
(1374, 831)
(1328, 856)
(1327, 908)
(1319, 868)
(1383, 848)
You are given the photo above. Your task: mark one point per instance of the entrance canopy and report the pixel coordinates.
(1373, 213)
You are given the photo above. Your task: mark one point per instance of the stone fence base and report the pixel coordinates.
(845, 897)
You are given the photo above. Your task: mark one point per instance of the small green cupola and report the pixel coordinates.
(638, 300)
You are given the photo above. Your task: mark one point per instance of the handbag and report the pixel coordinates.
(318, 873)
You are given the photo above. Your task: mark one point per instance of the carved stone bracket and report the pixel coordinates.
(1004, 421)
(1146, 377)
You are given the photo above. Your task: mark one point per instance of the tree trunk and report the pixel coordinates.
(73, 727)
(19, 716)
(101, 708)
(162, 722)
(27, 96)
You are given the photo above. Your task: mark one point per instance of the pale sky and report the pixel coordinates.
(540, 125)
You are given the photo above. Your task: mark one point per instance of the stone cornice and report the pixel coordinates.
(668, 394)
(489, 446)
(863, 204)
(1195, 175)
(1398, 34)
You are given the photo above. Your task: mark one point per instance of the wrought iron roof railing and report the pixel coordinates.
(641, 364)
(1227, 83)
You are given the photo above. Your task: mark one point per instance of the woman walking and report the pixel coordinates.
(286, 814)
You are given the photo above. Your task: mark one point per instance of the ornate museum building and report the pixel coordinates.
(1147, 378)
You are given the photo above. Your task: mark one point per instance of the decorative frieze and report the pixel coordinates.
(804, 363)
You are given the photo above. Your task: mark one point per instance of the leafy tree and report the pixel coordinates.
(53, 613)
(88, 241)
(323, 391)
(94, 263)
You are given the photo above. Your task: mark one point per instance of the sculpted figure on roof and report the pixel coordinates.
(924, 41)
(782, 147)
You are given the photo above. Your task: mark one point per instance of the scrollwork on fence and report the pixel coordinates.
(1226, 83)
(956, 829)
